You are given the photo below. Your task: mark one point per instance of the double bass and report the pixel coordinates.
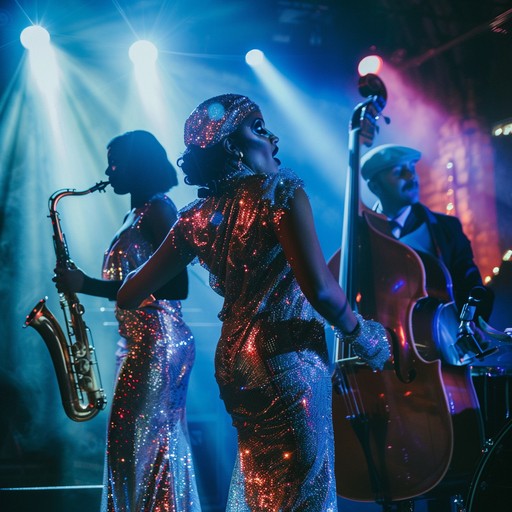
(396, 431)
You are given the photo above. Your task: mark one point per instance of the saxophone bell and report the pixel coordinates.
(75, 365)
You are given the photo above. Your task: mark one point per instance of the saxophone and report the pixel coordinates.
(73, 357)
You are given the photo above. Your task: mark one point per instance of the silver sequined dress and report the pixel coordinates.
(149, 463)
(271, 360)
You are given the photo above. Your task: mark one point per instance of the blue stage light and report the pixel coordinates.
(254, 57)
(143, 52)
(34, 37)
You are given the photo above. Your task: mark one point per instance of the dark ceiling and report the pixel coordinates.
(459, 51)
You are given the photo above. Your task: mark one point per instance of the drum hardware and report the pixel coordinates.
(491, 487)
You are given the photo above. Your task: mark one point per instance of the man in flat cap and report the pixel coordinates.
(390, 171)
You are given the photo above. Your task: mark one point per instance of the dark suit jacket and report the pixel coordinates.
(454, 250)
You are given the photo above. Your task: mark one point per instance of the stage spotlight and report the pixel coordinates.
(42, 59)
(143, 52)
(34, 37)
(254, 57)
(370, 64)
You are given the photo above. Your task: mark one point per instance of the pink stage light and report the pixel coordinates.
(370, 64)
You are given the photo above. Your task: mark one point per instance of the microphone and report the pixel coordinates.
(468, 344)
(476, 295)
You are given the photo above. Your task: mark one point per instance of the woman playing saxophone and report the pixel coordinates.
(149, 462)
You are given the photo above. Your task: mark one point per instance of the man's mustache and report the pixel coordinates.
(410, 185)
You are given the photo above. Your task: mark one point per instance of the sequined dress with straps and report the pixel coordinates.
(148, 464)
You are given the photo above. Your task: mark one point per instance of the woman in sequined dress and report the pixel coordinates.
(148, 464)
(252, 228)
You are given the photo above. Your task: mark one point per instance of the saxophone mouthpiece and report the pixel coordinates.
(100, 186)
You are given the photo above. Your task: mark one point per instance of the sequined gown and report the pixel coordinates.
(271, 360)
(148, 464)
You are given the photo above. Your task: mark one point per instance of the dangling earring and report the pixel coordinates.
(239, 163)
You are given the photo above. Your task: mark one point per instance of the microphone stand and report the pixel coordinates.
(468, 344)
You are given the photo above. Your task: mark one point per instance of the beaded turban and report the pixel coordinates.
(217, 118)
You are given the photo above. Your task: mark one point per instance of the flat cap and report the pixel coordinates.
(385, 157)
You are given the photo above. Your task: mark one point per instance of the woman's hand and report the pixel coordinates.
(369, 342)
(68, 280)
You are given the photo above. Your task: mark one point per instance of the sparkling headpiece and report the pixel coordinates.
(217, 118)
